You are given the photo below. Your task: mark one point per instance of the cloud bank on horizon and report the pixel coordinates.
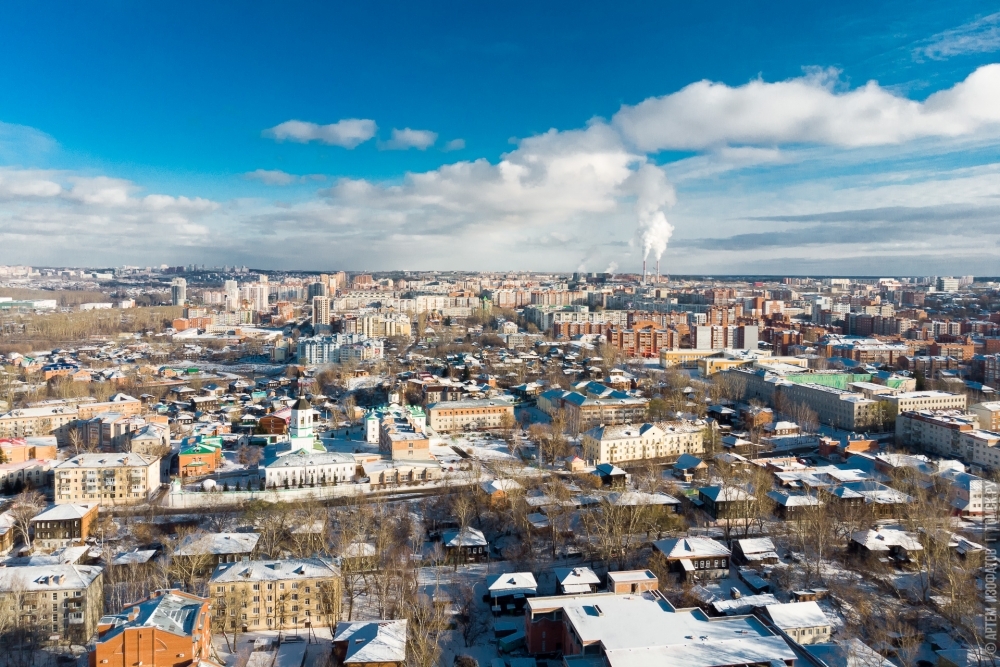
(787, 153)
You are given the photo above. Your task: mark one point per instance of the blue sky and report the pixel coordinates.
(515, 135)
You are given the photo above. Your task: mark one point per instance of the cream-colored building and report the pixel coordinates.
(63, 600)
(108, 479)
(909, 401)
(476, 414)
(988, 414)
(49, 420)
(276, 594)
(635, 442)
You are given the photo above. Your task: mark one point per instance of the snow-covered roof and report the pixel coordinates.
(273, 570)
(797, 615)
(884, 538)
(757, 546)
(744, 604)
(372, 641)
(174, 612)
(634, 498)
(470, 537)
(512, 582)
(217, 543)
(65, 512)
(499, 486)
(847, 653)
(690, 547)
(135, 557)
(576, 576)
(793, 499)
(44, 578)
(641, 630)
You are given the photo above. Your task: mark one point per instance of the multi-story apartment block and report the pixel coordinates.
(26, 422)
(339, 347)
(276, 594)
(321, 311)
(909, 401)
(642, 339)
(635, 442)
(169, 629)
(935, 431)
(717, 337)
(836, 407)
(587, 410)
(64, 600)
(108, 479)
(469, 414)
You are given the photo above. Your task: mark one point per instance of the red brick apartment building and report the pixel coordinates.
(169, 629)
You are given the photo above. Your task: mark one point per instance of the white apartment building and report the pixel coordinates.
(980, 448)
(635, 442)
(935, 431)
(339, 347)
(108, 479)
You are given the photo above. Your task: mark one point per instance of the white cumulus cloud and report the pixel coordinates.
(808, 110)
(406, 138)
(349, 132)
(270, 177)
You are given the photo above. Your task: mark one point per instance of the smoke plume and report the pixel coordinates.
(653, 194)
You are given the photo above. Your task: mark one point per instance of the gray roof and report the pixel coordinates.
(174, 612)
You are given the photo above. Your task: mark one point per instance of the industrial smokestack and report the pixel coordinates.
(643, 270)
(657, 270)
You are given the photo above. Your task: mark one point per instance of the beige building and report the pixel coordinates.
(26, 422)
(635, 442)
(473, 414)
(108, 479)
(63, 600)
(276, 594)
(58, 418)
(988, 414)
(910, 401)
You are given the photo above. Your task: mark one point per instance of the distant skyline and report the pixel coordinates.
(734, 138)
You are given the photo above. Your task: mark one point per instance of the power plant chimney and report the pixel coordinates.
(643, 270)
(657, 270)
